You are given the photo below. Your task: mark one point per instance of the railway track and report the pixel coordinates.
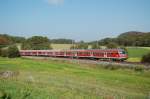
(96, 62)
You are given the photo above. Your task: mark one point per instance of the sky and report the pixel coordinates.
(86, 20)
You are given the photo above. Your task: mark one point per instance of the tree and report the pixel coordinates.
(6, 40)
(146, 58)
(36, 43)
(80, 45)
(0, 51)
(112, 45)
(62, 41)
(4, 53)
(95, 46)
(3, 41)
(131, 38)
(73, 47)
(16, 39)
(13, 51)
(124, 48)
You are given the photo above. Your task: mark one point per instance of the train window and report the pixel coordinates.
(87, 53)
(98, 54)
(122, 52)
(68, 52)
(108, 54)
(79, 52)
(49, 52)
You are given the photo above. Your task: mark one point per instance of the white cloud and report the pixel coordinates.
(55, 2)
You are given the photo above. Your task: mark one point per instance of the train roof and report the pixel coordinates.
(95, 50)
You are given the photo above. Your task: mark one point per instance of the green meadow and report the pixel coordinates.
(61, 46)
(51, 79)
(135, 53)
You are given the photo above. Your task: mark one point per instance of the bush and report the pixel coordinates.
(111, 66)
(0, 51)
(112, 45)
(36, 43)
(95, 46)
(139, 68)
(13, 51)
(146, 58)
(4, 53)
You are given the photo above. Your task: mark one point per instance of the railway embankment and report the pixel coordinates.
(105, 64)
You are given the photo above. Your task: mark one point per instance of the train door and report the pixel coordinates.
(105, 54)
(75, 54)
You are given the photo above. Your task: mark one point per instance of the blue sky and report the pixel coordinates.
(76, 19)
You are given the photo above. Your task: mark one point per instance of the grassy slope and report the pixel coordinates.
(44, 79)
(61, 46)
(136, 53)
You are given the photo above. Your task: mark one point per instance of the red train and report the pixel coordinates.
(113, 54)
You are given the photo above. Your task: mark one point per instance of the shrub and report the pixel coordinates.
(4, 53)
(111, 66)
(0, 51)
(112, 45)
(36, 43)
(139, 68)
(13, 51)
(146, 58)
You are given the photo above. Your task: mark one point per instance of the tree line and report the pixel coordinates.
(132, 38)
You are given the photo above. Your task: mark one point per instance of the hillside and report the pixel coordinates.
(131, 38)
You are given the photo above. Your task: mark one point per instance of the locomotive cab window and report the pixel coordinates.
(122, 52)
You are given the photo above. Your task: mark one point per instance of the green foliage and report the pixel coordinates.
(0, 51)
(17, 39)
(73, 47)
(137, 52)
(80, 45)
(36, 43)
(139, 68)
(146, 58)
(132, 38)
(4, 52)
(4, 41)
(13, 51)
(106, 41)
(124, 48)
(95, 46)
(4, 95)
(7, 39)
(112, 45)
(111, 67)
(62, 41)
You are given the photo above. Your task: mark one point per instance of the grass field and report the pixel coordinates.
(136, 53)
(47, 79)
(61, 46)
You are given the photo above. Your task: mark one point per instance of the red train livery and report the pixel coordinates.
(113, 54)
